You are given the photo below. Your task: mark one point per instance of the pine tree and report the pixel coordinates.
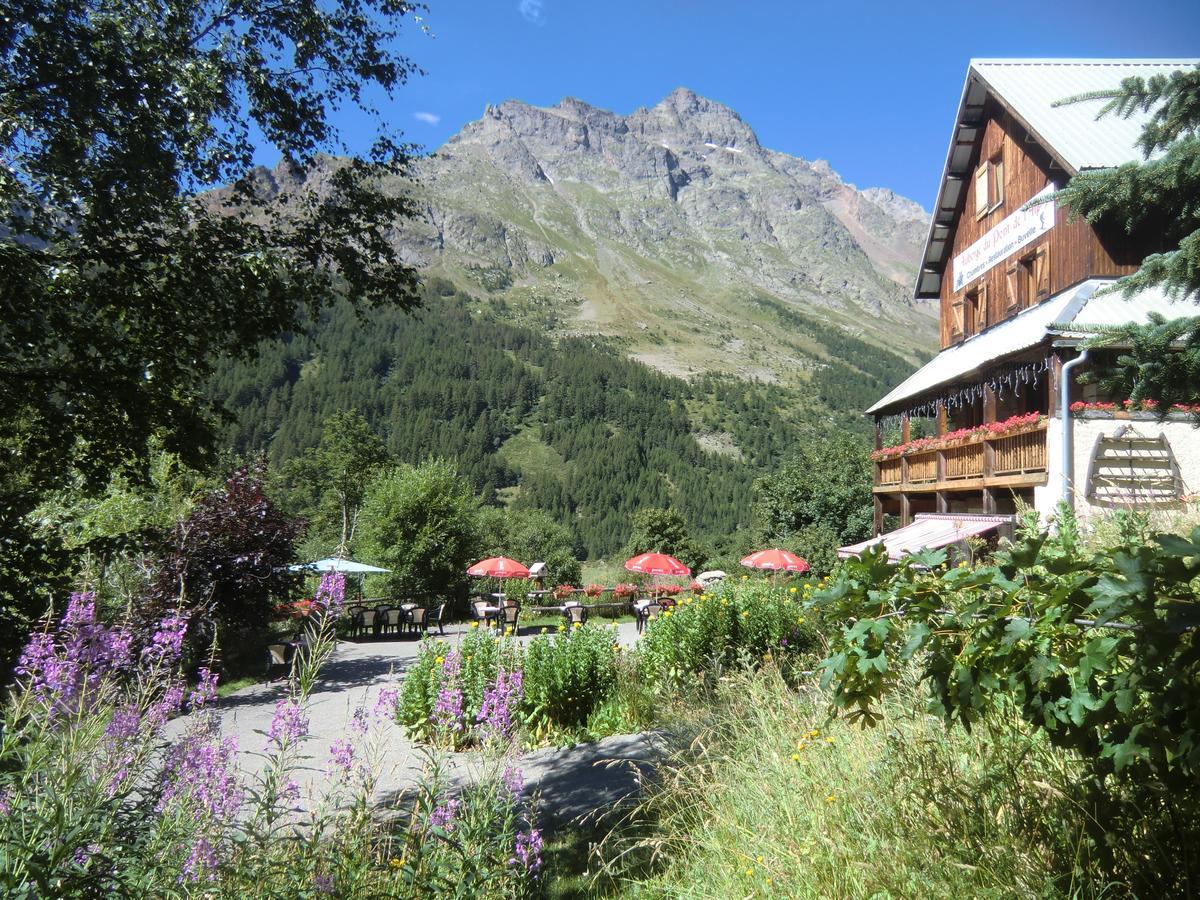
(1156, 199)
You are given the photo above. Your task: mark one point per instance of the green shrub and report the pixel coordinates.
(567, 675)
(419, 691)
(455, 678)
(735, 624)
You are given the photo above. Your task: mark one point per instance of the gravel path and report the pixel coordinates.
(573, 781)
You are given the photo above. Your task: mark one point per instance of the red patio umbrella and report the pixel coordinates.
(498, 567)
(775, 561)
(657, 564)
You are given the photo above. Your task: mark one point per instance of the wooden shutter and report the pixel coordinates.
(981, 190)
(1013, 278)
(956, 319)
(981, 309)
(997, 180)
(1041, 273)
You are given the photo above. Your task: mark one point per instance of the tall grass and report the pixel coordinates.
(769, 799)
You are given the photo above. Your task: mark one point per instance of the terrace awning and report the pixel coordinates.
(337, 564)
(928, 532)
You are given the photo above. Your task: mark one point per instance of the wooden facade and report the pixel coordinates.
(1069, 253)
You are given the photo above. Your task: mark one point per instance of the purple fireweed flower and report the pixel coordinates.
(203, 771)
(448, 709)
(83, 854)
(167, 643)
(165, 706)
(528, 850)
(5, 803)
(443, 815)
(385, 705)
(205, 690)
(323, 884)
(81, 609)
(65, 667)
(124, 725)
(331, 595)
(200, 861)
(289, 725)
(358, 722)
(290, 792)
(514, 780)
(341, 755)
(499, 703)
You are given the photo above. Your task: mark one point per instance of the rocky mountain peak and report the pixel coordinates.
(670, 228)
(688, 118)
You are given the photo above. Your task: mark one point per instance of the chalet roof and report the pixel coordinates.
(1028, 89)
(1080, 306)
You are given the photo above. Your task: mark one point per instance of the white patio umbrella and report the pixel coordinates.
(337, 564)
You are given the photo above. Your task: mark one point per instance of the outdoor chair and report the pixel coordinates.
(393, 619)
(435, 618)
(417, 620)
(484, 611)
(369, 622)
(279, 661)
(646, 613)
(511, 613)
(575, 613)
(354, 614)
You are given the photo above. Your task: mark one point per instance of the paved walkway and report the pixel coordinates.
(572, 781)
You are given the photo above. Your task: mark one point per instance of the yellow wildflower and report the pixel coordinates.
(795, 757)
(562, 627)
(800, 621)
(758, 859)
(745, 615)
(830, 740)
(508, 630)
(576, 625)
(744, 577)
(474, 624)
(397, 863)
(544, 630)
(830, 798)
(791, 590)
(749, 872)
(439, 660)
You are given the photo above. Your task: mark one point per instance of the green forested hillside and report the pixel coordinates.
(569, 425)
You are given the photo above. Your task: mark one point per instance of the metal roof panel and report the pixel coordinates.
(1084, 305)
(1031, 87)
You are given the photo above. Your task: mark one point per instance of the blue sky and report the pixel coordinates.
(870, 86)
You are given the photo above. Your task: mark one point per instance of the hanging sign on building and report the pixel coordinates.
(1021, 228)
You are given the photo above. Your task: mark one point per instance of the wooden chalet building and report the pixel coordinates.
(1013, 276)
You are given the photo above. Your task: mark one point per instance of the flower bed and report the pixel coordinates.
(1009, 426)
(1132, 406)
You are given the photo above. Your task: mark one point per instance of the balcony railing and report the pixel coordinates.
(1014, 459)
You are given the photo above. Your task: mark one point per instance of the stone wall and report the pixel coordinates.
(1182, 437)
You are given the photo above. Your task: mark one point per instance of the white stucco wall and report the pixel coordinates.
(1181, 434)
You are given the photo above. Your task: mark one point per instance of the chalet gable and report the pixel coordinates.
(1069, 138)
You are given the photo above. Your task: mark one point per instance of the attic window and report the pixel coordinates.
(989, 186)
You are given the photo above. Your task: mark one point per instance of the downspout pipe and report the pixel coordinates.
(1064, 405)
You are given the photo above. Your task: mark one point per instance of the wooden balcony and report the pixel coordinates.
(1014, 460)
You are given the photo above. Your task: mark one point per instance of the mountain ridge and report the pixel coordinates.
(660, 229)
